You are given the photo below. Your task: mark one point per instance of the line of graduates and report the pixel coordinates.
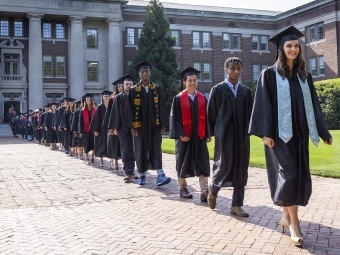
(22, 126)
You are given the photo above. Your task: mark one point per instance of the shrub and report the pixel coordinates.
(329, 95)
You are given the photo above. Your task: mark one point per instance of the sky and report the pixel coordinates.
(272, 5)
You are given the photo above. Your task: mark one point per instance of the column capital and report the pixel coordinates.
(113, 21)
(76, 19)
(35, 16)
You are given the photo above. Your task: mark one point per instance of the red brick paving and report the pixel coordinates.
(51, 203)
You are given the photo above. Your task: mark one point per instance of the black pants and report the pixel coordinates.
(238, 194)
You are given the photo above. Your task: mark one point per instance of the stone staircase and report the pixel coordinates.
(5, 130)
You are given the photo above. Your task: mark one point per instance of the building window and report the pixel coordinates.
(312, 66)
(321, 65)
(130, 36)
(60, 65)
(226, 41)
(129, 63)
(206, 71)
(256, 72)
(206, 40)
(139, 32)
(92, 38)
(175, 34)
(320, 31)
(18, 27)
(195, 39)
(311, 33)
(4, 27)
(92, 71)
(236, 42)
(259, 42)
(47, 65)
(197, 66)
(47, 30)
(60, 34)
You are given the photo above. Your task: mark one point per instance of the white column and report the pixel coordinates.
(35, 82)
(115, 51)
(76, 56)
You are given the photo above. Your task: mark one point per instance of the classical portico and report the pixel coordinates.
(77, 17)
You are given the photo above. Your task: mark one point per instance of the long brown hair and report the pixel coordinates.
(85, 105)
(299, 64)
(69, 108)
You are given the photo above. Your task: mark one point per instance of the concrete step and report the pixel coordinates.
(5, 130)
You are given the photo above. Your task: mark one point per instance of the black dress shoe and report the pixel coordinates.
(184, 193)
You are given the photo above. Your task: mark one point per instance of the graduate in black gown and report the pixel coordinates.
(120, 125)
(29, 128)
(58, 116)
(229, 110)
(188, 125)
(150, 120)
(37, 127)
(85, 118)
(113, 144)
(65, 125)
(42, 121)
(77, 142)
(286, 112)
(51, 135)
(100, 132)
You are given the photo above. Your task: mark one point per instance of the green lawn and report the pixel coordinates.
(324, 160)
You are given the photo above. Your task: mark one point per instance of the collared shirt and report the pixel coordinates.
(233, 87)
(146, 87)
(192, 97)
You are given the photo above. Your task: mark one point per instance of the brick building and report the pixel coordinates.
(52, 49)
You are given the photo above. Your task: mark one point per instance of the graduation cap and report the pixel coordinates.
(78, 102)
(47, 106)
(61, 101)
(143, 65)
(186, 72)
(70, 99)
(53, 104)
(289, 34)
(127, 77)
(117, 82)
(106, 93)
(87, 95)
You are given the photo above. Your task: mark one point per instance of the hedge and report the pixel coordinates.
(329, 95)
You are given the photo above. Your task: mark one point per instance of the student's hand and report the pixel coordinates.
(46, 128)
(184, 138)
(209, 139)
(65, 129)
(54, 128)
(96, 133)
(59, 128)
(163, 129)
(268, 141)
(80, 135)
(134, 132)
(111, 131)
(329, 141)
(115, 131)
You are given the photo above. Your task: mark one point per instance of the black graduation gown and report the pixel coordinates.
(100, 141)
(65, 123)
(113, 144)
(29, 127)
(41, 124)
(147, 144)
(51, 135)
(57, 121)
(121, 119)
(192, 158)
(287, 163)
(228, 121)
(88, 137)
(76, 141)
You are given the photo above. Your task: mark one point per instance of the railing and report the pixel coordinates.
(13, 78)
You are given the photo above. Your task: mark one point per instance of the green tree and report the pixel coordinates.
(155, 45)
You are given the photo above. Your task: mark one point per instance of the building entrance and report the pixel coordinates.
(7, 106)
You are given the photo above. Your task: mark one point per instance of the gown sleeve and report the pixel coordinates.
(262, 118)
(81, 123)
(95, 122)
(176, 127)
(212, 110)
(319, 119)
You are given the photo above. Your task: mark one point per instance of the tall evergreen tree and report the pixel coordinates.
(155, 45)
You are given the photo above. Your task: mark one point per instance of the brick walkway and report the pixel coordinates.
(62, 206)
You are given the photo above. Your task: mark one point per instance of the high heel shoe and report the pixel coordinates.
(284, 225)
(295, 239)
